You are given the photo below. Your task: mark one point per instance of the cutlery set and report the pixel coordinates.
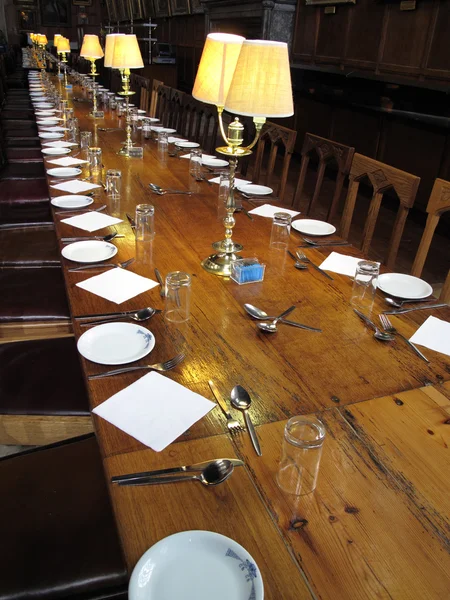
(76, 210)
(168, 365)
(122, 265)
(261, 315)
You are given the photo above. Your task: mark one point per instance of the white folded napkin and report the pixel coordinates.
(340, 263)
(67, 161)
(268, 210)
(74, 186)
(172, 139)
(91, 221)
(237, 181)
(203, 156)
(154, 410)
(53, 128)
(434, 334)
(117, 285)
(59, 144)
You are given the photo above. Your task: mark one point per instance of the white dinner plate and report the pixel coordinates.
(50, 135)
(44, 113)
(168, 130)
(196, 565)
(59, 144)
(214, 162)
(89, 251)
(187, 144)
(43, 105)
(56, 151)
(141, 111)
(44, 122)
(255, 190)
(72, 201)
(313, 227)
(64, 172)
(116, 343)
(404, 286)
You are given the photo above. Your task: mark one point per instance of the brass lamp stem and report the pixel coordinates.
(125, 73)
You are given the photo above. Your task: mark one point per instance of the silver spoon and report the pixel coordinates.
(379, 335)
(241, 400)
(272, 327)
(399, 304)
(106, 238)
(259, 314)
(298, 265)
(159, 190)
(140, 315)
(216, 472)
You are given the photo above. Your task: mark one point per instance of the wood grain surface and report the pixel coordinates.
(376, 525)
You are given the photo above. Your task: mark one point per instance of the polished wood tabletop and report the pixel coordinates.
(363, 533)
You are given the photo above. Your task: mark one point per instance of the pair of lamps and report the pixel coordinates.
(40, 41)
(245, 77)
(122, 52)
(92, 51)
(62, 46)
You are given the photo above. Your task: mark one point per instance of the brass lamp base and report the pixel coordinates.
(220, 264)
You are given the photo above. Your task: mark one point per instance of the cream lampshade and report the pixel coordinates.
(261, 85)
(55, 39)
(109, 48)
(91, 47)
(216, 68)
(127, 54)
(63, 44)
(42, 39)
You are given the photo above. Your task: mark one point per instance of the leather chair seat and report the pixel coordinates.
(24, 155)
(21, 171)
(17, 113)
(29, 246)
(24, 201)
(21, 133)
(42, 377)
(19, 125)
(57, 526)
(16, 142)
(32, 294)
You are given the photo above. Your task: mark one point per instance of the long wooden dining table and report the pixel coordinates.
(377, 524)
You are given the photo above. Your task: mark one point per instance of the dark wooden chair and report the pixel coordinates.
(438, 204)
(176, 109)
(328, 152)
(199, 123)
(163, 104)
(154, 97)
(277, 138)
(139, 85)
(382, 178)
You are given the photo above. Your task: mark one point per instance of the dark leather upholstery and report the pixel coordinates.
(18, 113)
(21, 133)
(19, 125)
(29, 246)
(53, 384)
(17, 171)
(32, 294)
(59, 538)
(15, 142)
(24, 201)
(24, 155)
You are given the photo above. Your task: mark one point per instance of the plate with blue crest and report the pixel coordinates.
(197, 565)
(116, 343)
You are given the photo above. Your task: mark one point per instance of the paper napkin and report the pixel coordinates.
(340, 263)
(154, 410)
(53, 128)
(91, 221)
(434, 334)
(75, 186)
(267, 210)
(172, 139)
(203, 156)
(67, 161)
(236, 181)
(117, 285)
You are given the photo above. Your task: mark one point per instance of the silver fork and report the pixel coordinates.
(387, 326)
(162, 366)
(122, 265)
(302, 257)
(234, 427)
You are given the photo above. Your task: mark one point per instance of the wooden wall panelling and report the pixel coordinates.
(357, 128)
(311, 116)
(437, 60)
(364, 34)
(331, 39)
(405, 37)
(305, 32)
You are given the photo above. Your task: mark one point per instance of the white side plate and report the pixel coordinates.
(116, 343)
(55, 151)
(196, 565)
(90, 251)
(214, 162)
(47, 135)
(255, 190)
(313, 227)
(72, 201)
(64, 172)
(187, 144)
(404, 286)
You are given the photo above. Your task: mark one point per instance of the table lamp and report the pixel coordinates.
(126, 56)
(250, 78)
(58, 57)
(63, 48)
(42, 42)
(91, 50)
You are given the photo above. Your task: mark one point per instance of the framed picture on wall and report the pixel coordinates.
(179, 7)
(162, 8)
(27, 19)
(196, 7)
(331, 2)
(55, 13)
(82, 2)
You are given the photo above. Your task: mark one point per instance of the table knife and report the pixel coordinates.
(402, 311)
(220, 401)
(189, 468)
(132, 222)
(162, 292)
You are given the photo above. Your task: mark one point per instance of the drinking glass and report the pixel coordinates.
(68, 113)
(147, 127)
(224, 190)
(73, 132)
(300, 457)
(85, 140)
(95, 160)
(281, 228)
(163, 141)
(195, 163)
(178, 297)
(134, 117)
(120, 107)
(145, 222)
(365, 285)
(113, 182)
